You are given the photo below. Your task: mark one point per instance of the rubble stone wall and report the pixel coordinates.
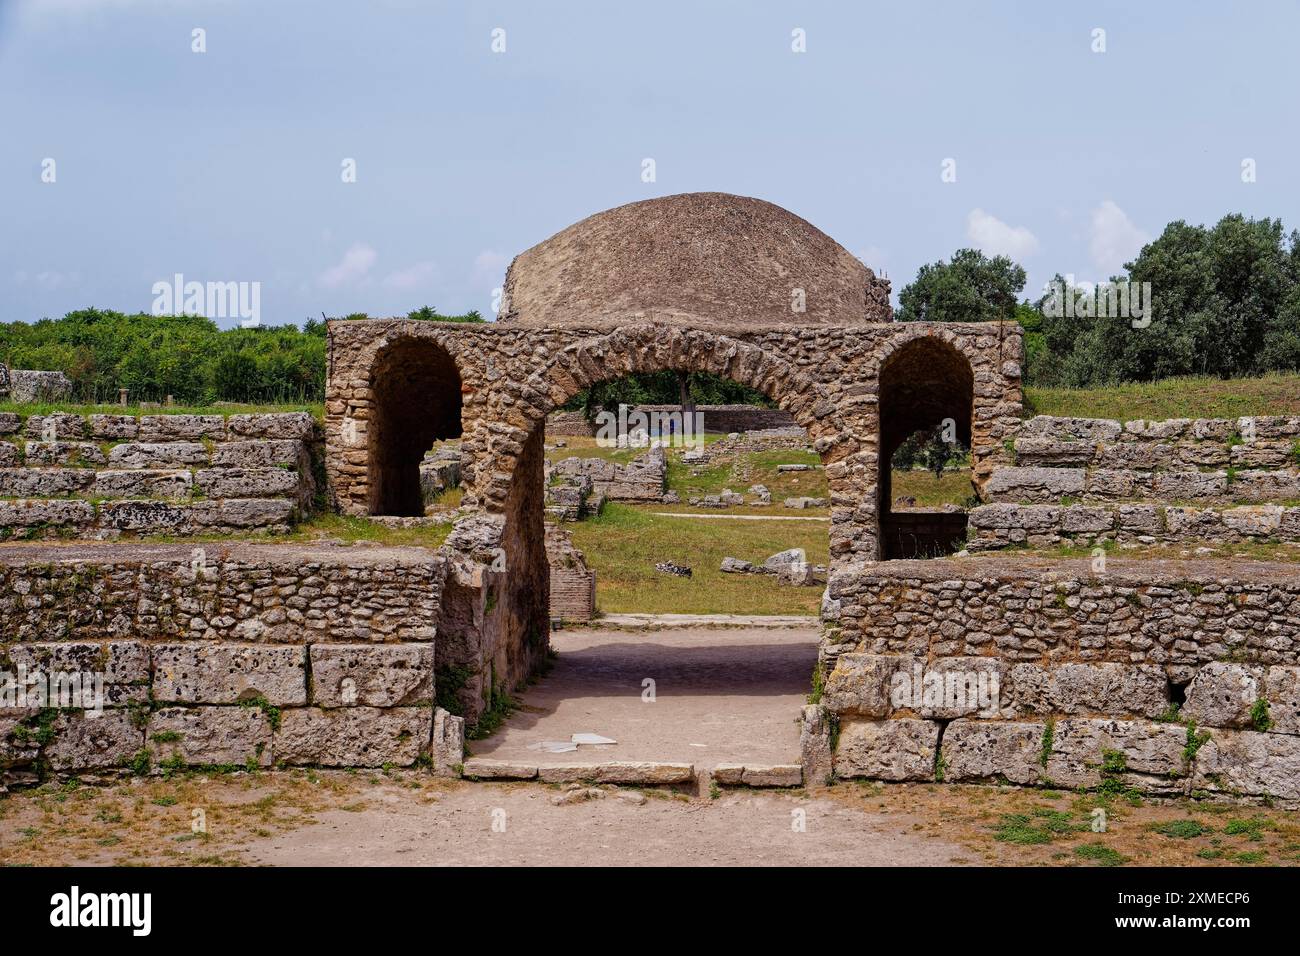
(1083, 481)
(1179, 678)
(245, 655)
(725, 419)
(103, 476)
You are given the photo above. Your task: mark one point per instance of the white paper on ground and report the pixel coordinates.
(591, 739)
(554, 746)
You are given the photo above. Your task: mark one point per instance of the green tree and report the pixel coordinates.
(969, 288)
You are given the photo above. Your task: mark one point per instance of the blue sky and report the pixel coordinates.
(226, 165)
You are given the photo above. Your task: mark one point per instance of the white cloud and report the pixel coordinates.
(354, 265)
(991, 235)
(490, 266)
(48, 279)
(412, 277)
(1113, 239)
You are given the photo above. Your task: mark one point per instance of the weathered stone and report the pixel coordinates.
(1246, 763)
(1037, 485)
(142, 483)
(371, 675)
(172, 428)
(276, 453)
(448, 747)
(177, 454)
(990, 750)
(55, 427)
(220, 736)
(1222, 694)
(860, 683)
(114, 427)
(479, 768)
(291, 425)
(353, 736)
(1151, 754)
(1109, 689)
(44, 482)
(1282, 692)
(902, 749)
(247, 483)
(212, 673)
(93, 742)
(108, 674)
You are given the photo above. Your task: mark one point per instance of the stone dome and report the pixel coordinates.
(705, 260)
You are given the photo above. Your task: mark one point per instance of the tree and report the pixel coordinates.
(970, 288)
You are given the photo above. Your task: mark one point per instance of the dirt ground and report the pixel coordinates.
(344, 818)
(720, 696)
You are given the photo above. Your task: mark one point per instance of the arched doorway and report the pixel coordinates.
(416, 391)
(926, 390)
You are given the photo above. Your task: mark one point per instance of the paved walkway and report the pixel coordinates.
(692, 514)
(685, 695)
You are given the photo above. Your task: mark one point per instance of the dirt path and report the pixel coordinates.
(719, 696)
(740, 828)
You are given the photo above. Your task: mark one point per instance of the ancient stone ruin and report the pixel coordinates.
(1007, 667)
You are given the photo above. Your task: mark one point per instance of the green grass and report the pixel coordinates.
(954, 488)
(1275, 394)
(317, 410)
(352, 529)
(624, 543)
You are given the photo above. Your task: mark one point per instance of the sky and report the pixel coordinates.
(478, 129)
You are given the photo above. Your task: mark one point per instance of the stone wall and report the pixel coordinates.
(245, 655)
(573, 583)
(1083, 481)
(1149, 673)
(640, 480)
(724, 419)
(104, 476)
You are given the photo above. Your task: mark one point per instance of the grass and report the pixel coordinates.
(1275, 394)
(624, 543)
(954, 488)
(352, 529)
(225, 409)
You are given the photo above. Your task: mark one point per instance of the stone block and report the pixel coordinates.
(983, 750)
(1110, 689)
(247, 482)
(44, 482)
(9, 455)
(902, 749)
(273, 453)
(222, 736)
(58, 426)
(1036, 485)
(1190, 485)
(175, 454)
(479, 768)
(142, 483)
(10, 423)
(860, 683)
(448, 747)
(121, 667)
(1282, 691)
(1247, 763)
(290, 425)
(1152, 753)
(353, 736)
(371, 675)
(32, 513)
(114, 427)
(173, 428)
(1222, 694)
(220, 673)
(90, 742)
(61, 453)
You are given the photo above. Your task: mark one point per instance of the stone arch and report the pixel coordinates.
(923, 380)
(415, 399)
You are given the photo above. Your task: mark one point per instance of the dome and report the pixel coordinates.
(705, 260)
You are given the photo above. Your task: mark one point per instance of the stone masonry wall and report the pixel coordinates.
(103, 476)
(240, 655)
(1083, 481)
(1165, 676)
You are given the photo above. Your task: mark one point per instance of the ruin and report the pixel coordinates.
(386, 655)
